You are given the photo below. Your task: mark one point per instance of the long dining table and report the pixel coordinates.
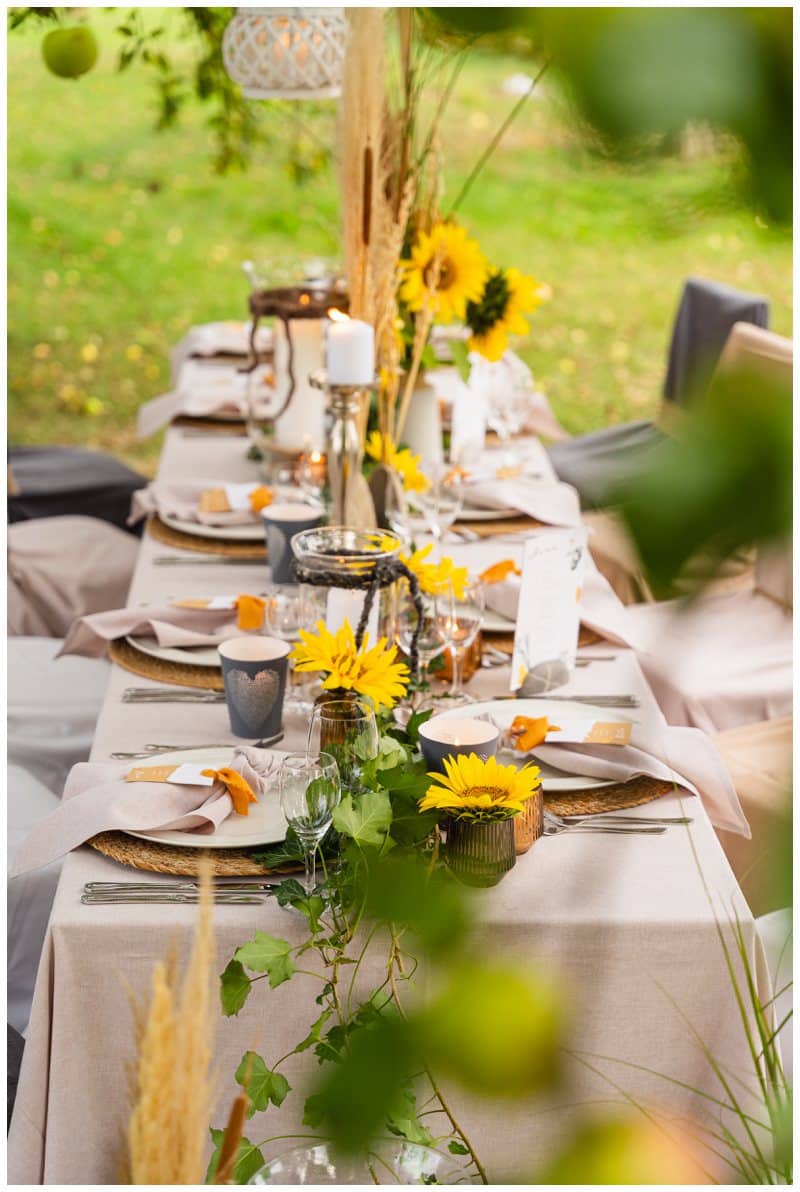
(629, 926)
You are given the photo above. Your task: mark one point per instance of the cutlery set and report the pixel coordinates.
(203, 559)
(172, 695)
(154, 750)
(235, 891)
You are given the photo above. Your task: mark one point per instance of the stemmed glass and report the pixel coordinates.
(347, 730)
(434, 627)
(465, 619)
(290, 608)
(310, 791)
(442, 500)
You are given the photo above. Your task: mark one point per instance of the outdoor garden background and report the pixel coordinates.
(121, 237)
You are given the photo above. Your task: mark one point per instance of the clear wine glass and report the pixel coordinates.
(465, 612)
(434, 627)
(442, 500)
(290, 608)
(310, 790)
(347, 730)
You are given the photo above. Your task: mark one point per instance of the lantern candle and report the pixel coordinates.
(351, 351)
(445, 736)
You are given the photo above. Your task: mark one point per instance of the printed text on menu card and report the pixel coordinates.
(548, 620)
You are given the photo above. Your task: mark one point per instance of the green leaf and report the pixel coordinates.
(460, 353)
(234, 988)
(291, 893)
(313, 1111)
(263, 1085)
(249, 1159)
(403, 1121)
(457, 1148)
(266, 954)
(315, 1032)
(365, 820)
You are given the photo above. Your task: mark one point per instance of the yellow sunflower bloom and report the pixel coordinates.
(446, 271)
(382, 449)
(369, 672)
(508, 296)
(476, 789)
(435, 578)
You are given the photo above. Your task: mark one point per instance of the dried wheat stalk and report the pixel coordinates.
(173, 1093)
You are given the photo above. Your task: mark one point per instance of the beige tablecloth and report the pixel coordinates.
(627, 923)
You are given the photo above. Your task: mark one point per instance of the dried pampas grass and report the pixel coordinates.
(172, 1081)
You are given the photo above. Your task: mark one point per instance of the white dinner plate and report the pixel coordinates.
(264, 823)
(183, 655)
(503, 712)
(479, 513)
(249, 532)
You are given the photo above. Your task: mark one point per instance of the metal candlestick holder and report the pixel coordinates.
(346, 439)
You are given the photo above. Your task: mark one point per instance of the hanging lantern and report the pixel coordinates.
(286, 53)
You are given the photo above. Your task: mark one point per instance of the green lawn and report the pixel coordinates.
(120, 238)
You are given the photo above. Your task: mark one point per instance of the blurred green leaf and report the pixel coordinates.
(496, 1030)
(725, 484)
(622, 1151)
(431, 905)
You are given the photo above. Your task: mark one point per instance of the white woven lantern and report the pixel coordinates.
(286, 53)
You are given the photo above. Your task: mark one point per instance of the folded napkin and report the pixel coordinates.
(98, 799)
(208, 391)
(685, 756)
(170, 625)
(185, 501)
(548, 501)
(600, 607)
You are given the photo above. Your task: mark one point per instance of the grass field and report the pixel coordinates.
(120, 238)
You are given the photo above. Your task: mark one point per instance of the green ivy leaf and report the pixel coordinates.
(263, 1085)
(460, 353)
(403, 1121)
(249, 1159)
(266, 954)
(234, 988)
(457, 1148)
(366, 820)
(315, 1033)
(314, 1110)
(291, 893)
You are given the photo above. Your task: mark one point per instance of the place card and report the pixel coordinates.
(548, 618)
(579, 731)
(187, 774)
(213, 603)
(238, 496)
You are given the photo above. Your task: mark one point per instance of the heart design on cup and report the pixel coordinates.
(253, 697)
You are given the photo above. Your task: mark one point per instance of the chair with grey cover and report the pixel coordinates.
(595, 463)
(53, 481)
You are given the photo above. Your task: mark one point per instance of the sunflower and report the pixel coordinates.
(434, 578)
(370, 672)
(507, 297)
(475, 789)
(382, 449)
(446, 271)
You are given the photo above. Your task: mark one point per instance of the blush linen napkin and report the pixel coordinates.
(548, 501)
(202, 391)
(168, 625)
(98, 799)
(683, 756)
(183, 501)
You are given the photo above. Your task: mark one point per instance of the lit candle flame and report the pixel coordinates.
(338, 316)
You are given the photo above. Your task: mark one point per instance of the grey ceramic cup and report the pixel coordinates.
(282, 521)
(444, 736)
(254, 674)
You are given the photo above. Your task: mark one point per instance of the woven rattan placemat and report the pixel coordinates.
(182, 862)
(206, 546)
(215, 426)
(127, 656)
(607, 798)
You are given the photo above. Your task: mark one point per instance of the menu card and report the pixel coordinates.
(548, 619)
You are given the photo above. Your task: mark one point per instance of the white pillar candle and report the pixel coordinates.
(452, 731)
(351, 351)
(304, 420)
(344, 604)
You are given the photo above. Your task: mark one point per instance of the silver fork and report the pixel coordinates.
(574, 821)
(181, 897)
(551, 829)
